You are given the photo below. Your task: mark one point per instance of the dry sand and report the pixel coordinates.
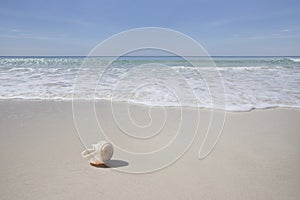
(257, 156)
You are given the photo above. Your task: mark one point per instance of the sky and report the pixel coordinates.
(224, 27)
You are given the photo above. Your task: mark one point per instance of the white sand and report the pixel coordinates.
(257, 157)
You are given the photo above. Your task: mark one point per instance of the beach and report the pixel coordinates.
(150, 100)
(256, 157)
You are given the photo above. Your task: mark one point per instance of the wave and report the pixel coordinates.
(127, 61)
(294, 59)
(250, 82)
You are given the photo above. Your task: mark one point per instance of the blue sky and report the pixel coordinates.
(227, 27)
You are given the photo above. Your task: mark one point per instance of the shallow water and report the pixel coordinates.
(247, 82)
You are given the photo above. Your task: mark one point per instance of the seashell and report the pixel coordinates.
(99, 153)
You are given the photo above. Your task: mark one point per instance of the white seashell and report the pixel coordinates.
(99, 153)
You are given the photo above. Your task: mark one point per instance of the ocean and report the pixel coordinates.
(248, 82)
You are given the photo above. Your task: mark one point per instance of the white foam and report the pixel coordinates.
(247, 86)
(294, 59)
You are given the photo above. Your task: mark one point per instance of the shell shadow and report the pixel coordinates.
(111, 164)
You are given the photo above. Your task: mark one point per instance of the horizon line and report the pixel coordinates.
(150, 56)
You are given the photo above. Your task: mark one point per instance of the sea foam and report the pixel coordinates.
(248, 82)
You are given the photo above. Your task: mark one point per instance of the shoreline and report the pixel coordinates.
(144, 104)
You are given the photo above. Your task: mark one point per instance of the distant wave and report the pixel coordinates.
(173, 61)
(294, 59)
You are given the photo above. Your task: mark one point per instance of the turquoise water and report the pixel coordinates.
(248, 82)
